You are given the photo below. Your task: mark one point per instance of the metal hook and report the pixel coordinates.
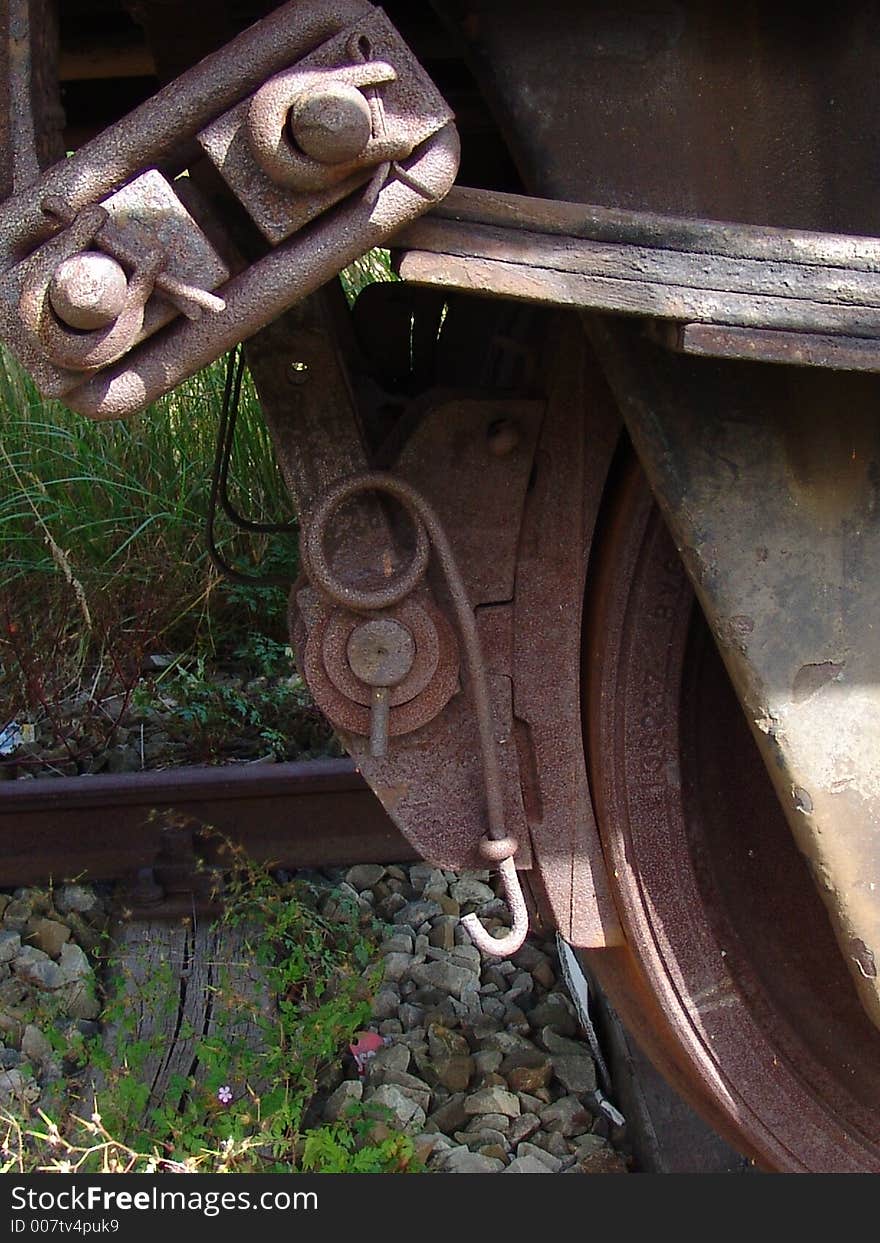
(503, 947)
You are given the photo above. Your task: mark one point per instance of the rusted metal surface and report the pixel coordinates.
(296, 814)
(174, 115)
(799, 349)
(648, 265)
(409, 161)
(578, 438)
(756, 1022)
(33, 117)
(170, 268)
(282, 186)
(702, 111)
(784, 571)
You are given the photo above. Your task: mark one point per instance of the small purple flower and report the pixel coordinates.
(224, 1094)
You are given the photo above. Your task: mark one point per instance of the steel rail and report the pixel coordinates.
(301, 814)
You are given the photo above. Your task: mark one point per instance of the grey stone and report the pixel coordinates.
(494, 1007)
(554, 1143)
(35, 1046)
(348, 1092)
(442, 1042)
(414, 1039)
(544, 975)
(17, 1087)
(522, 985)
(10, 1058)
(78, 999)
(36, 968)
(364, 876)
(10, 945)
(493, 975)
(420, 874)
(396, 966)
(469, 889)
(514, 1019)
(451, 1115)
(393, 1057)
(17, 913)
(12, 1029)
(417, 912)
(494, 1100)
(391, 1027)
(442, 934)
(524, 1127)
(455, 1072)
(487, 1135)
(397, 943)
(491, 1122)
(386, 1003)
(408, 1115)
(556, 1012)
(428, 1146)
(487, 1061)
(390, 907)
(507, 1042)
(86, 936)
(442, 975)
(410, 1015)
(12, 992)
(416, 1089)
(566, 1116)
(48, 935)
(528, 957)
(463, 1161)
(554, 1164)
(74, 964)
(589, 1143)
(526, 1165)
(573, 1065)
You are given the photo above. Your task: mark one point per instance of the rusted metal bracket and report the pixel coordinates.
(320, 121)
(444, 613)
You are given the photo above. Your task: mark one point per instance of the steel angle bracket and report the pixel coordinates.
(323, 125)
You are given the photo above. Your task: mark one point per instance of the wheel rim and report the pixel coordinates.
(731, 977)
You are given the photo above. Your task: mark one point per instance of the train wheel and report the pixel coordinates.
(731, 978)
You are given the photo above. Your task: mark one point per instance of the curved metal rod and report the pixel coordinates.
(503, 947)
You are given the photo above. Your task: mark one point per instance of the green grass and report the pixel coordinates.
(103, 556)
(102, 535)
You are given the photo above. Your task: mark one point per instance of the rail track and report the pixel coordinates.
(147, 825)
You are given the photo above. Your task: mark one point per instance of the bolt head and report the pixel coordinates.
(88, 290)
(503, 437)
(331, 123)
(381, 652)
